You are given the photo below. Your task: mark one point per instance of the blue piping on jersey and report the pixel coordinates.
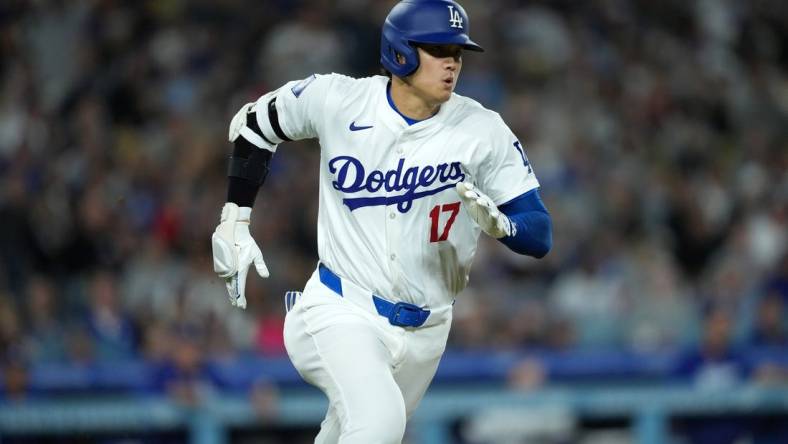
(534, 235)
(408, 120)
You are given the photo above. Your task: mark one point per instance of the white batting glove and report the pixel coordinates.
(234, 251)
(484, 212)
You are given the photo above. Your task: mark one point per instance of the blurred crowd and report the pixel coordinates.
(657, 131)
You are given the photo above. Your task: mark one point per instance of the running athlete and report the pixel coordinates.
(410, 174)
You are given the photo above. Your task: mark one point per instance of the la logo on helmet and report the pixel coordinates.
(454, 17)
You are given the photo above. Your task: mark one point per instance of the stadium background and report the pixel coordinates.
(657, 130)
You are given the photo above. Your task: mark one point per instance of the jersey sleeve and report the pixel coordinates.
(506, 171)
(296, 110)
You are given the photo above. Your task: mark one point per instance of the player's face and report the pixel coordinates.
(439, 68)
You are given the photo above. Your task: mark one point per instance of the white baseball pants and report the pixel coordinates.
(373, 373)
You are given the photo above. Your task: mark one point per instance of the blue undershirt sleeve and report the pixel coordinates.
(534, 236)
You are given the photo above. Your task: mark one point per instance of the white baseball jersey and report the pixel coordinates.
(389, 217)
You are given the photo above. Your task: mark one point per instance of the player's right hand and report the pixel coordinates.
(234, 251)
(484, 211)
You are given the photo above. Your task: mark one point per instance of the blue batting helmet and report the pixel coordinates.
(441, 22)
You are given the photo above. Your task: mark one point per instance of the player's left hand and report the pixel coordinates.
(484, 211)
(234, 251)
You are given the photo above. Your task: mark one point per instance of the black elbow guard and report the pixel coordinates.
(247, 169)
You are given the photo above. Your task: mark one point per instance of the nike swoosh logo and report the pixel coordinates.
(353, 127)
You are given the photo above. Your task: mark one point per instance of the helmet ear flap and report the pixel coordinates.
(397, 56)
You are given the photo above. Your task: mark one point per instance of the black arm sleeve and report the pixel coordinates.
(247, 169)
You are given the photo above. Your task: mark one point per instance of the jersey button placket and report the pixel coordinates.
(393, 235)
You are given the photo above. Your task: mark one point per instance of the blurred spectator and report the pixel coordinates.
(157, 342)
(304, 44)
(79, 344)
(265, 399)
(151, 280)
(528, 374)
(592, 297)
(45, 341)
(770, 328)
(10, 328)
(184, 376)
(661, 312)
(111, 330)
(16, 380)
(715, 363)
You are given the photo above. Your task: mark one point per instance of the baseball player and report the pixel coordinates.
(410, 174)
